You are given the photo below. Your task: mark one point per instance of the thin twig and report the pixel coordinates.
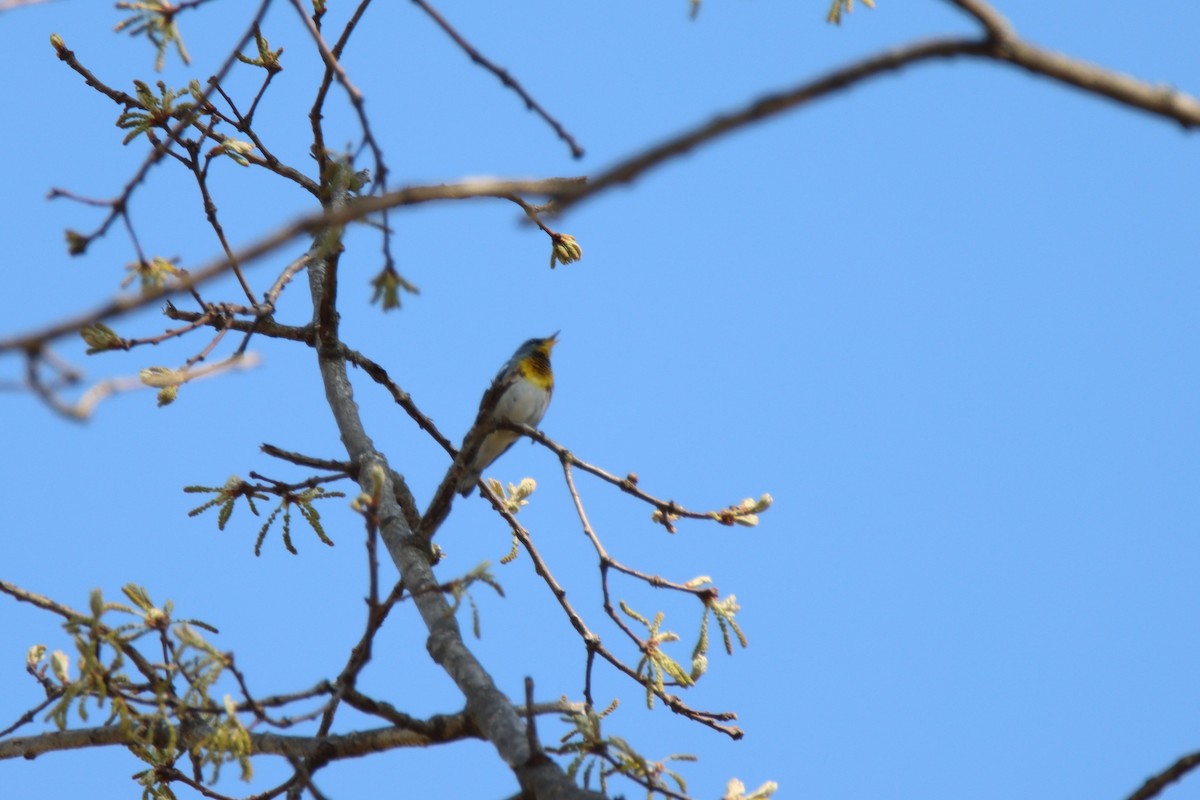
(374, 370)
(627, 484)
(334, 67)
(119, 205)
(704, 594)
(502, 74)
(592, 641)
(310, 223)
(301, 460)
(29, 715)
(285, 277)
(171, 333)
(210, 213)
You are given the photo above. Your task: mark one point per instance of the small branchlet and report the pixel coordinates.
(77, 243)
(166, 380)
(236, 149)
(513, 551)
(99, 338)
(515, 497)
(35, 667)
(655, 666)
(167, 689)
(387, 286)
(154, 111)
(303, 501)
(227, 741)
(225, 497)
(723, 610)
(744, 513)
(60, 46)
(736, 790)
(460, 588)
(340, 175)
(268, 59)
(564, 249)
(841, 7)
(595, 755)
(301, 495)
(152, 274)
(367, 502)
(665, 517)
(155, 19)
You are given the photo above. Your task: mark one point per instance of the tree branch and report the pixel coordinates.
(1162, 101)
(1000, 45)
(1155, 784)
(998, 28)
(502, 74)
(487, 706)
(1159, 100)
(448, 728)
(307, 224)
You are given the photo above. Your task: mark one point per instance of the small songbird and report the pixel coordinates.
(525, 383)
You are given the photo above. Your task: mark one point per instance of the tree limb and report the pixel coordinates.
(487, 706)
(1155, 784)
(332, 747)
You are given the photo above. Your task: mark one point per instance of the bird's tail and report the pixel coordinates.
(467, 484)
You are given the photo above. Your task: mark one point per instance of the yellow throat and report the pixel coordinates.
(535, 368)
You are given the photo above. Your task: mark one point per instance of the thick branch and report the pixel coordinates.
(487, 706)
(327, 748)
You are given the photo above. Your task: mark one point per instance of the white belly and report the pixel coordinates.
(523, 403)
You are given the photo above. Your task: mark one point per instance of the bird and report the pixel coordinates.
(525, 384)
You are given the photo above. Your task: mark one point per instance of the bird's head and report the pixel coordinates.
(533, 360)
(538, 347)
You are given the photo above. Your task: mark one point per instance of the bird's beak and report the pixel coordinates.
(552, 339)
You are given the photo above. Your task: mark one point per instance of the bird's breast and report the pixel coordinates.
(523, 402)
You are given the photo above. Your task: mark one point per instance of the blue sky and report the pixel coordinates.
(948, 320)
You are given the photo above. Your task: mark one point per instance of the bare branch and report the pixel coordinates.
(330, 748)
(119, 205)
(1159, 100)
(333, 66)
(490, 710)
(1162, 101)
(1155, 784)
(82, 409)
(503, 75)
(998, 28)
(306, 334)
(307, 224)
(592, 640)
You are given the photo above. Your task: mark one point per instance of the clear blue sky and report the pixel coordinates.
(948, 320)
